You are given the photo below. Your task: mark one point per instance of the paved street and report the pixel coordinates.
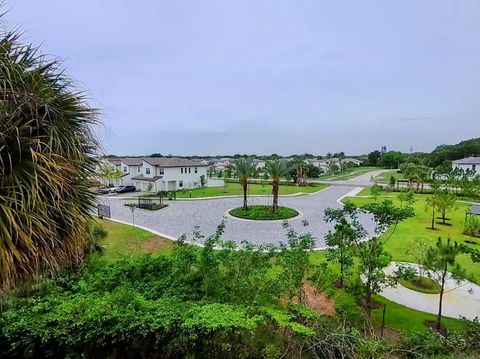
(181, 217)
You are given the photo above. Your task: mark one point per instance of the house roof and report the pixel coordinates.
(132, 161)
(173, 162)
(114, 161)
(143, 178)
(468, 161)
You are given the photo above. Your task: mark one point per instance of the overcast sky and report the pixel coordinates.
(208, 77)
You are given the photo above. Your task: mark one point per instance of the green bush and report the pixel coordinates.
(263, 212)
(472, 226)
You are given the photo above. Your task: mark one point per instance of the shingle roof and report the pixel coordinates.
(173, 162)
(143, 178)
(132, 161)
(468, 161)
(114, 161)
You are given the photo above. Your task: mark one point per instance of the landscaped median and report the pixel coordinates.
(264, 213)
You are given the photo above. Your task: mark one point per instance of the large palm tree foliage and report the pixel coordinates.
(244, 168)
(47, 149)
(276, 170)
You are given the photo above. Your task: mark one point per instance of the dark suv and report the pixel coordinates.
(124, 189)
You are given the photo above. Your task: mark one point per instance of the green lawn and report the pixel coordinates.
(422, 284)
(413, 234)
(385, 176)
(253, 189)
(263, 212)
(126, 241)
(349, 173)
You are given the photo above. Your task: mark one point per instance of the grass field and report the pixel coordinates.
(127, 241)
(232, 189)
(412, 236)
(348, 173)
(422, 284)
(384, 177)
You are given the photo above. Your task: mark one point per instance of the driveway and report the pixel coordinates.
(182, 217)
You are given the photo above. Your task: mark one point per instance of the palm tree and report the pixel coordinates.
(48, 154)
(276, 170)
(244, 169)
(301, 169)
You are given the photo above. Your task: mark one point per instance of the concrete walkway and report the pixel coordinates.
(461, 299)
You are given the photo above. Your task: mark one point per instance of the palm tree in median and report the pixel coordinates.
(244, 168)
(276, 169)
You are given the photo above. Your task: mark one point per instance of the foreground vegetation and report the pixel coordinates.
(143, 294)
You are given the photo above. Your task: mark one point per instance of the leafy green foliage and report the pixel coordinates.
(47, 159)
(263, 212)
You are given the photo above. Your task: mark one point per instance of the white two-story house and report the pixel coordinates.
(471, 163)
(169, 174)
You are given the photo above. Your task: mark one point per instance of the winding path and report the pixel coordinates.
(459, 299)
(182, 217)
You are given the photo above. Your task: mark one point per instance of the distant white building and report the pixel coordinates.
(471, 163)
(352, 161)
(159, 173)
(259, 164)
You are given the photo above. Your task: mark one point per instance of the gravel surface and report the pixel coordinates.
(181, 217)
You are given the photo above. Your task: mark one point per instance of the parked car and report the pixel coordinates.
(124, 189)
(102, 191)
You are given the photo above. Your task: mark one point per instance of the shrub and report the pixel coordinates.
(472, 226)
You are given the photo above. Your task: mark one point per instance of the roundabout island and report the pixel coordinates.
(263, 213)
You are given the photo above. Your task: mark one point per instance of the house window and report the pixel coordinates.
(180, 183)
(147, 171)
(196, 170)
(181, 170)
(189, 170)
(161, 171)
(138, 169)
(125, 169)
(474, 167)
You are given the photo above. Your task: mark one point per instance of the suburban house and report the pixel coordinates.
(352, 161)
(471, 163)
(159, 173)
(259, 164)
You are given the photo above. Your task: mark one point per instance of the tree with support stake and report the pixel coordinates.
(133, 208)
(438, 262)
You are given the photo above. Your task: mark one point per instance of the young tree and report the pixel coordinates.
(375, 191)
(445, 202)
(392, 182)
(430, 205)
(276, 170)
(294, 258)
(372, 255)
(109, 174)
(440, 260)
(244, 168)
(347, 230)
